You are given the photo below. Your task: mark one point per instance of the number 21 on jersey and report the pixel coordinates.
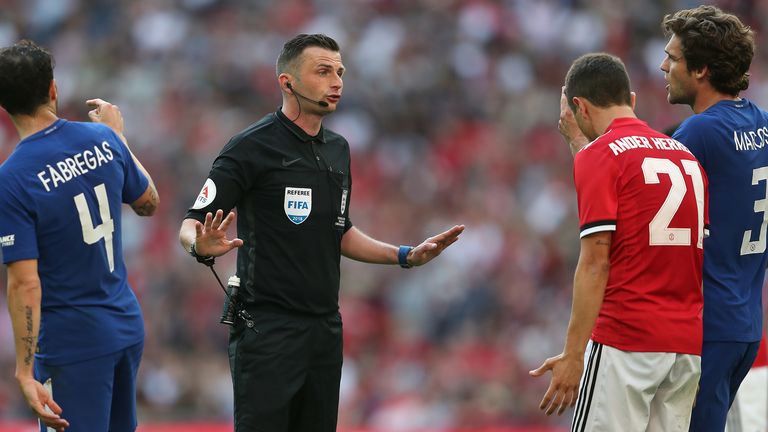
(92, 234)
(660, 234)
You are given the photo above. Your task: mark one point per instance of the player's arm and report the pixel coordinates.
(24, 297)
(148, 202)
(358, 246)
(589, 284)
(109, 115)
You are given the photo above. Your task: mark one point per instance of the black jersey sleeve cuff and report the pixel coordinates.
(597, 226)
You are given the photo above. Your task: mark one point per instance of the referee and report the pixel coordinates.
(290, 179)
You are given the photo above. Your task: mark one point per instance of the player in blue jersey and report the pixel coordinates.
(77, 325)
(706, 67)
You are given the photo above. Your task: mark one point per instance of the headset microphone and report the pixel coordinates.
(323, 104)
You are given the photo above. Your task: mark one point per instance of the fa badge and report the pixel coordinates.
(207, 194)
(298, 204)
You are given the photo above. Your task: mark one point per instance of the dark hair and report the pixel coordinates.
(600, 78)
(671, 129)
(26, 72)
(715, 39)
(293, 49)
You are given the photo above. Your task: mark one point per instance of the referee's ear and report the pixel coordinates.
(284, 81)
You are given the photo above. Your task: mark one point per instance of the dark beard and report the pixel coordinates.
(680, 99)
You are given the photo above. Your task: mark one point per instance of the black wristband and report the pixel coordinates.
(402, 256)
(207, 260)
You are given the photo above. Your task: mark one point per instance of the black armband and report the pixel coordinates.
(207, 260)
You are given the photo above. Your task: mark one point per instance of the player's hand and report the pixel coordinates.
(107, 114)
(211, 236)
(433, 246)
(568, 127)
(564, 387)
(41, 402)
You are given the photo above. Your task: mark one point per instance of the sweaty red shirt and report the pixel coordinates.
(652, 193)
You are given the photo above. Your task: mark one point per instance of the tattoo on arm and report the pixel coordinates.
(603, 243)
(29, 338)
(148, 207)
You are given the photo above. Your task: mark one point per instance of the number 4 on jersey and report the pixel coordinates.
(91, 234)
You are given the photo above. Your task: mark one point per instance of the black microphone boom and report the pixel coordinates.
(323, 104)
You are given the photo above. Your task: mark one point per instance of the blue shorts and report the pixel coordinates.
(97, 395)
(723, 366)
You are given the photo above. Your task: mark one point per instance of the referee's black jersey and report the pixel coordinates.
(292, 192)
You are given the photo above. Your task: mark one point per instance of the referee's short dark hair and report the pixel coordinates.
(600, 78)
(293, 49)
(26, 72)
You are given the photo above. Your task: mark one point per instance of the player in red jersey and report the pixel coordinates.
(632, 351)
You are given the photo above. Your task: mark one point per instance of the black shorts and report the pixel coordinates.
(286, 374)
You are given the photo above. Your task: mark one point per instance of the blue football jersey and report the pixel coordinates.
(730, 140)
(61, 192)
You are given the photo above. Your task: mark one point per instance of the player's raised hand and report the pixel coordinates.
(211, 236)
(41, 402)
(433, 246)
(564, 387)
(568, 127)
(107, 114)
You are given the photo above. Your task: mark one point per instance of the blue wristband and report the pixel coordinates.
(402, 256)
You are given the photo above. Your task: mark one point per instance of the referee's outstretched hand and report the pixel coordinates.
(211, 236)
(433, 246)
(564, 387)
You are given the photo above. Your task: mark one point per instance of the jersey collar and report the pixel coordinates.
(625, 122)
(299, 132)
(44, 132)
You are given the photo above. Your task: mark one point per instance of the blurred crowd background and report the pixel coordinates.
(451, 109)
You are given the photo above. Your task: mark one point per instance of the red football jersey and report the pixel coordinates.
(652, 192)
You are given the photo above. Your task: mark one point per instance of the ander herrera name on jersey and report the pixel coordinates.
(635, 141)
(76, 165)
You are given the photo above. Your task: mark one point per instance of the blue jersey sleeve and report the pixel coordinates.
(18, 239)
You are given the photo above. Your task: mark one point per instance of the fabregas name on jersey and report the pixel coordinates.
(77, 165)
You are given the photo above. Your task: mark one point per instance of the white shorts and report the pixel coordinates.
(749, 412)
(635, 391)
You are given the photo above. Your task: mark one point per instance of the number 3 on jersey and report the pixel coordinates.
(660, 234)
(91, 234)
(761, 206)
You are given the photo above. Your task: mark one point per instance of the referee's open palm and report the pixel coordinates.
(211, 236)
(433, 246)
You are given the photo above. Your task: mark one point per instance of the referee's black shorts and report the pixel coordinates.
(286, 375)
